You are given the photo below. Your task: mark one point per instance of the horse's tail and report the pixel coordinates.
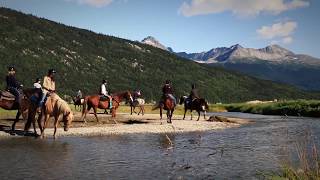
(182, 100)
(84, 105)
(157, 106)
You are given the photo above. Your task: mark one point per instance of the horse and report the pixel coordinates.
(7, 102)
(56, 107)
(139, 102)
(197, 104)
(94, 102)
(169, 105)
(78, 102)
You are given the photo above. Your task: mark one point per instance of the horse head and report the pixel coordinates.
(204, 104)
(67, 120)
(128, 96)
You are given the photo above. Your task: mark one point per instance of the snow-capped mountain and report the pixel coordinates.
(155, 43)
(272, 62)
(272, 53)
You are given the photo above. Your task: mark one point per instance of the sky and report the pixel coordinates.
(191, 25)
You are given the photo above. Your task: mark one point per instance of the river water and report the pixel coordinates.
(236, 153)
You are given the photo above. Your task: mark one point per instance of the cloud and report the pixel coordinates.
(287, 40)
(240, 7)
(281, 30)
(95, 3)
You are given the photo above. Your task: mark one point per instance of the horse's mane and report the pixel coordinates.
(119, 93)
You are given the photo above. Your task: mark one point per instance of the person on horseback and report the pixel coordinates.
(37, 84)
(167, 90)
(48, 86)
(194, 93)
(136, 95)
(13, 86)
(105, 93)
(79, 94)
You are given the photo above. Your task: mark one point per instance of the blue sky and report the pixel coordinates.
(191, 25)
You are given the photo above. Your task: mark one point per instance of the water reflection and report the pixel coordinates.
(237, 153)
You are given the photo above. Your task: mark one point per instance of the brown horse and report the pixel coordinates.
(169, 105)
(7, 102)
(95, 103)
(197, 104)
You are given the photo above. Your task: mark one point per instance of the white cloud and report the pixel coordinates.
(277, 30)
(95, 3)
(282, 30)
(287, 40)
(240, 7)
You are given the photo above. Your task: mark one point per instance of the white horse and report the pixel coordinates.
(139, 102)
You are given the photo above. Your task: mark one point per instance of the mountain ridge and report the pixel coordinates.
(83, 58)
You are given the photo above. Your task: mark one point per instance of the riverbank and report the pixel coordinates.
(131, 124)
(307, 108)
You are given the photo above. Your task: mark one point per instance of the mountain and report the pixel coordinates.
(83, 58)
(272, 63)
(155, 43)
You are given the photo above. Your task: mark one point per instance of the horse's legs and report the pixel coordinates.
(142, 108)
(204, 115)
(198, 115)
(191, 113)
(131, 109)
(95, 113)
(46, 118)
(160, 112)
(185, 111)
(39, 121)
(84, 113)
(55, 126)
(13, 127)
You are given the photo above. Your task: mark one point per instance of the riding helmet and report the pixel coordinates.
(52, 71)
(11, 68)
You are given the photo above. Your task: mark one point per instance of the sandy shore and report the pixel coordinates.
(128, 124)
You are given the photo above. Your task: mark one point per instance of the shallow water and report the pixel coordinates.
(237, 153)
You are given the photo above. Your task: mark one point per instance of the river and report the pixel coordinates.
(236, 153)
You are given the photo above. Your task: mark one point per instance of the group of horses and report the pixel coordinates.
(88, 102)
(57, 108)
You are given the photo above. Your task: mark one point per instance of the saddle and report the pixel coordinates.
(6, 95)
(104, 98)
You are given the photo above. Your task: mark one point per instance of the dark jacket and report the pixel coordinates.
(12, 82)
(194, 94)
(167, 89)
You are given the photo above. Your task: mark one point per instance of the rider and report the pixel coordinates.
(194, 93)
(13, 85)
(49, 85)
(167, 90)
(136, 95)
(37, 84)
(104, 92)
(79, 94)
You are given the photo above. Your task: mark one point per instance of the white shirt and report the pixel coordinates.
(104, 90)
(37, 85)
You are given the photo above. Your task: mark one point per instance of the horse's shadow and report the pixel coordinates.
(7, 129)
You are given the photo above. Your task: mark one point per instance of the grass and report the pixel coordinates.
(308, 108)
(307, 167)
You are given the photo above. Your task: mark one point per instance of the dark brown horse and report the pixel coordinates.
(78, 102)
(200, 105)
(23, 106)
(95, 103)
(169, 105)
